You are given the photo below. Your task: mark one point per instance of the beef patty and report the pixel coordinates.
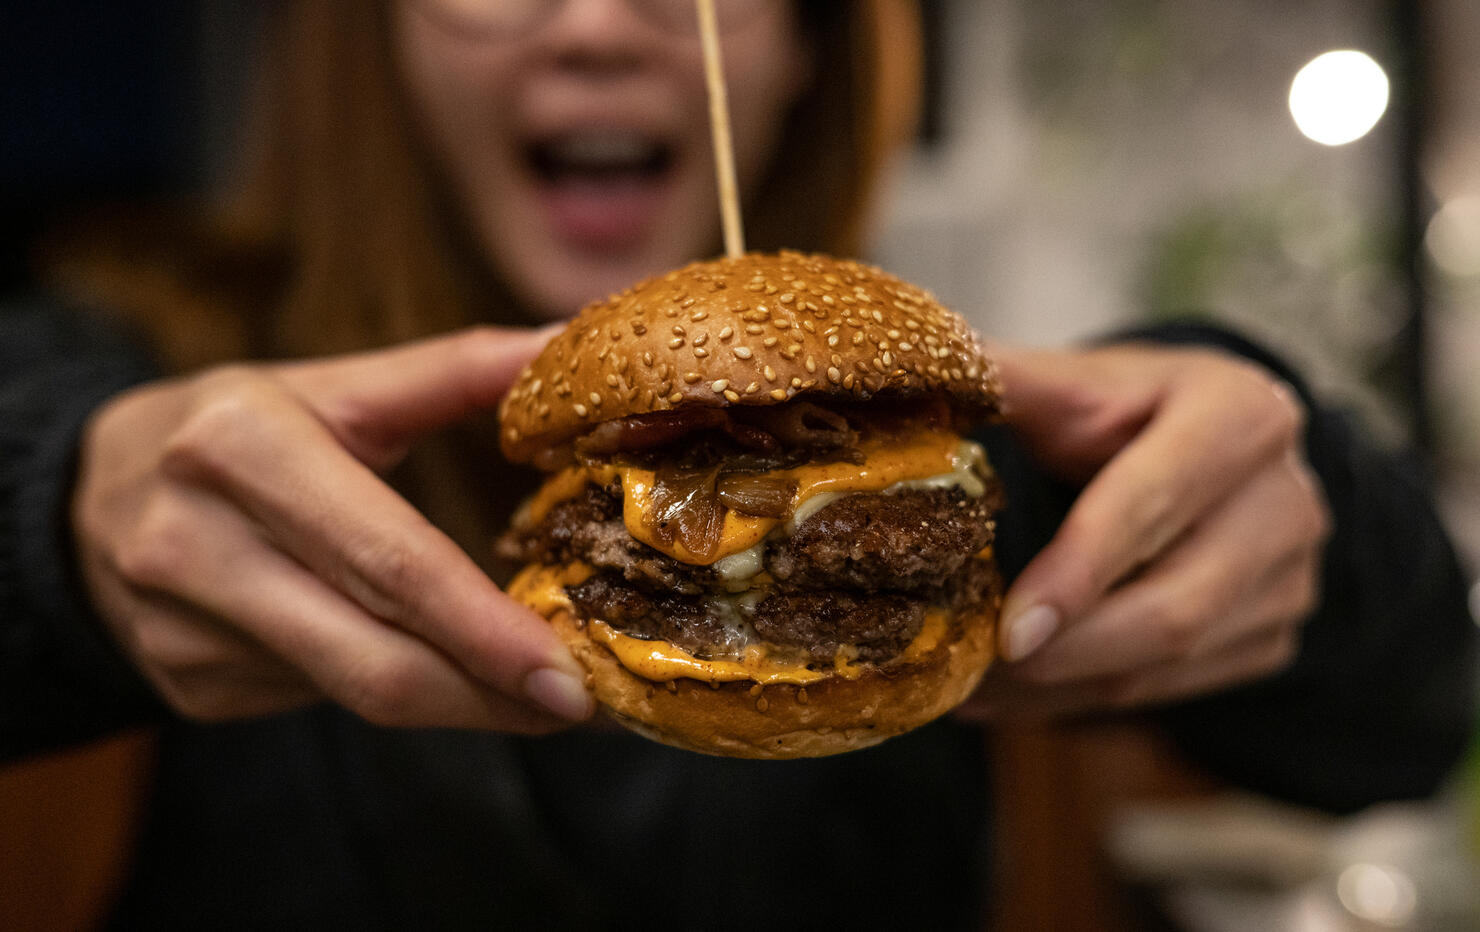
(816, 622)
(901, 541)
(861, 571)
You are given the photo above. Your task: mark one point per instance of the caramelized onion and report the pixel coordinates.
(762, 496)
(803, 425)
(686, 509)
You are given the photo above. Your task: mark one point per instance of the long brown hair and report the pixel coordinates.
(341, 236)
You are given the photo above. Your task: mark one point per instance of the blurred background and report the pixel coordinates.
(1082, 165)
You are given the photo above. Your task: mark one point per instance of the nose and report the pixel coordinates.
(599, 36)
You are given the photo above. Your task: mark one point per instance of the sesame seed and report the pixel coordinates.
(769, 342)
(796, 382)
(677, 330)
(751, 388)
(857, 337)
(906, 346)
(761, 704)
(731, 395)
(595, 399)
(581, 410)
(832, 340)
(692, 377)
(701, 339)
(849, 380)
(787, 298)
(675, 398)
(754, 329)
(687, 302)
(719, 385)
(726, 333)
(700, 314)
(700, 352)
(811, 363)
(675, 343)
(779, 394)
(638, 328)
(833, 375)
(808, 326)
(743, 352)
(769, 373)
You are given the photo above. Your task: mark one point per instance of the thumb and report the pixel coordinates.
(377, 403)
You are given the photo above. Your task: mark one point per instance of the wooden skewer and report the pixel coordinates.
(719, 124)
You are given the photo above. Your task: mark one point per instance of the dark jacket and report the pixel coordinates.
(317, 820)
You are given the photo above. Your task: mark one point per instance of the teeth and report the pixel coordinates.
(603, 149)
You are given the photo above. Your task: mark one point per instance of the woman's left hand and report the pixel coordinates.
(1192, 555)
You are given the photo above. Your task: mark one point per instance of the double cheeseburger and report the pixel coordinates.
(762, 532)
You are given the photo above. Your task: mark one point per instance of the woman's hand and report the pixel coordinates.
(1192, 556)
(237, 540)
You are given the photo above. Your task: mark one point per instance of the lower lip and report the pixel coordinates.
(605, 216)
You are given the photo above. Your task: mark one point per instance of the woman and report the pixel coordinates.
(255, 539)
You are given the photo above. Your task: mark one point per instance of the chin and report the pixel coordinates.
(762, 531)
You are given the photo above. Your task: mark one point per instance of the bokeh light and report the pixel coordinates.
(1338, 97)
(1453, 237)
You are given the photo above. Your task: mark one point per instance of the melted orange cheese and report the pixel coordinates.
(887, 460)
(543, 589)
(659, 661)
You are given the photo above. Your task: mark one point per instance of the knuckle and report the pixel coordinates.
(387, 575)
(1281, 414)
(1178, 631)
(228, 412)
(387, 690)
(159, 547)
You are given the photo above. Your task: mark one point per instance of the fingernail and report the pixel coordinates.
(1027, 632)
(559, 692)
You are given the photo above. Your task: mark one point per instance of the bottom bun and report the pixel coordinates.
(829, 716)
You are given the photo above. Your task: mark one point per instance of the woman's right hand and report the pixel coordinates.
(239, 544)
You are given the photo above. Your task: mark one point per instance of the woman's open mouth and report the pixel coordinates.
(602, 187)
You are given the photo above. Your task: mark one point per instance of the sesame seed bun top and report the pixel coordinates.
(761, 329)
